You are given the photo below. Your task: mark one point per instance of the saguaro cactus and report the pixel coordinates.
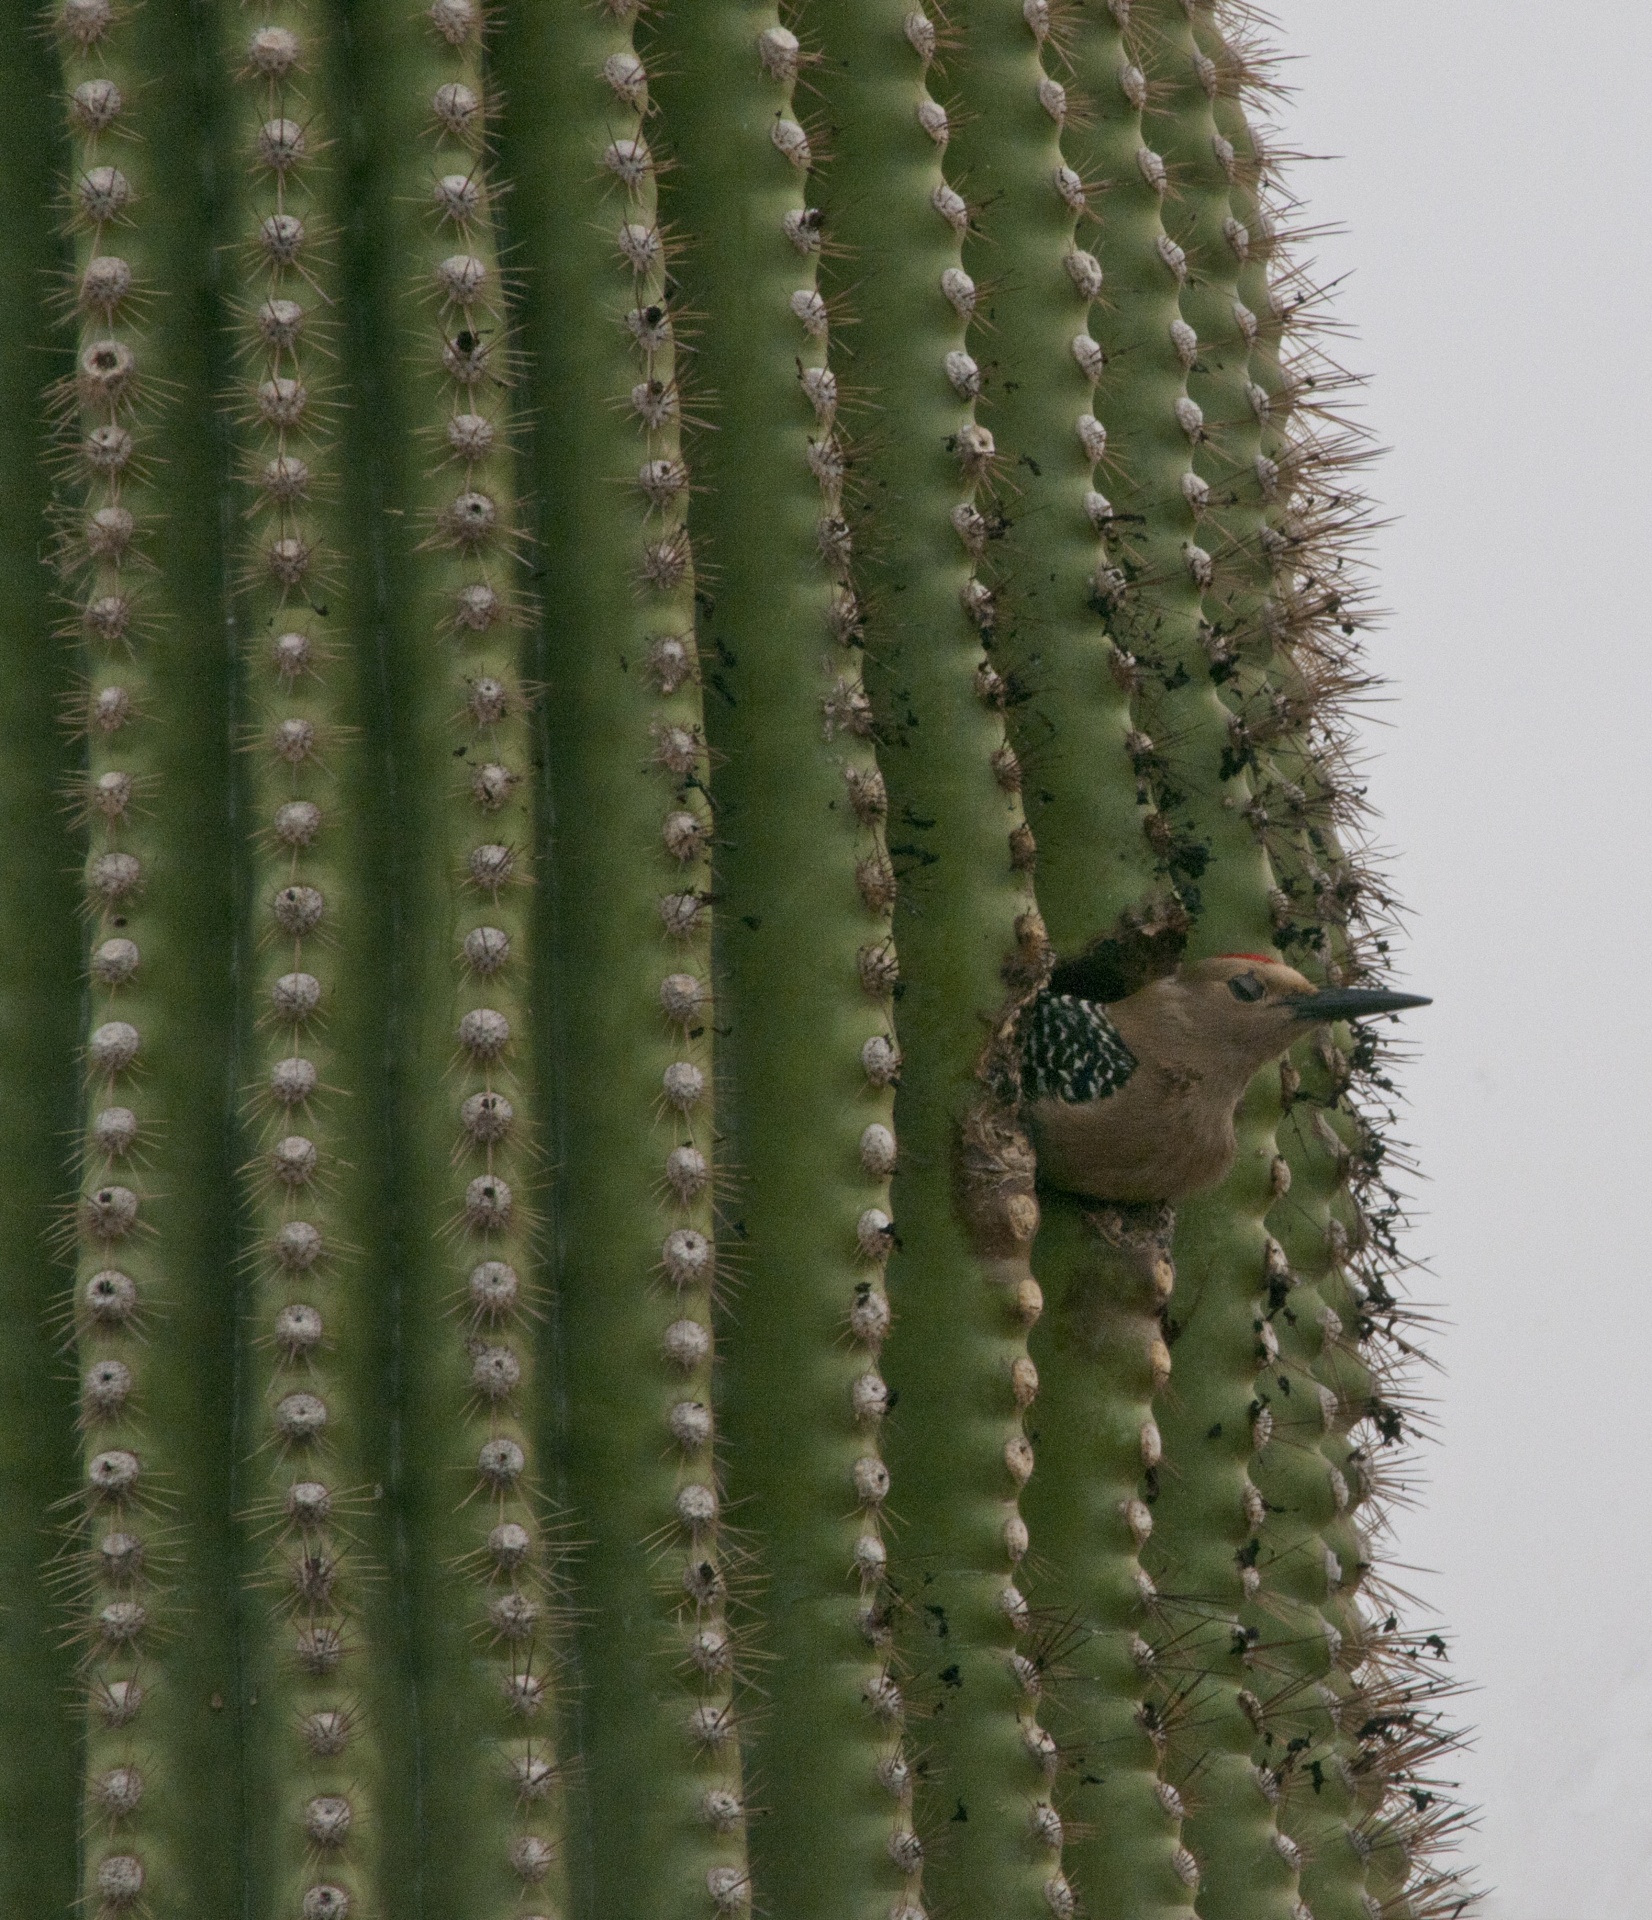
(597, 600)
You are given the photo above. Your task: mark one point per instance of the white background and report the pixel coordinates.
(1493, 180)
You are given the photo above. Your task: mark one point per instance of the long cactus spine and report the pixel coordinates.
(632, 590)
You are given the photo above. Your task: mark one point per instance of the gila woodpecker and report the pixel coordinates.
(1134, 1100)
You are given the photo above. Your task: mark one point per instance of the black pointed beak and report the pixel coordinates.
(1355, 1003)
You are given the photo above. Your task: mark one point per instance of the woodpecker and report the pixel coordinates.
(1133, 1101)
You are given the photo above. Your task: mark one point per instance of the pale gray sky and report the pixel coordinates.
(1493, 181)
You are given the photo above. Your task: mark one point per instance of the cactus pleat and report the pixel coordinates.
(1099, 1380)
(437, 352)
(596, 599)
(806, 965)
(972, 945)
(40, 1088)
(309, 1410)
(153, 1223)
(625, 981)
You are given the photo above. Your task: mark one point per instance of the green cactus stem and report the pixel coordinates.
(625, 983)
(596, 600)
(1103, 1366)
(974, 946)
(308, 1402)
(480, 1608)
(153, 1219)
(806, 969)
(40, 1092)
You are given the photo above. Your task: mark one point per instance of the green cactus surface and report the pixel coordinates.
(598, 603)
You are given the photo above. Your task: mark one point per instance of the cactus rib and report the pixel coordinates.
(40, 1094)
(153, 1216)
(805, 958)
(313, 1539)
(930, 501)
(628, 1048)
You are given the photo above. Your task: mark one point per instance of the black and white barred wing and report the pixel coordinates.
(1071, 1051)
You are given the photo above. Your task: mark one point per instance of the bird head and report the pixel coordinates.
(1249, 1010)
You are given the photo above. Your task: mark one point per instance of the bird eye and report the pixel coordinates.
(1246, 986)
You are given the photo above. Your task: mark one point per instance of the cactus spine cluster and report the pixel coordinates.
(594, 598)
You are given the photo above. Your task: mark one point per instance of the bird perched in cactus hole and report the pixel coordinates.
(1134, 1100)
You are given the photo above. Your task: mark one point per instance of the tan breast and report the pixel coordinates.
(1156, 1139)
